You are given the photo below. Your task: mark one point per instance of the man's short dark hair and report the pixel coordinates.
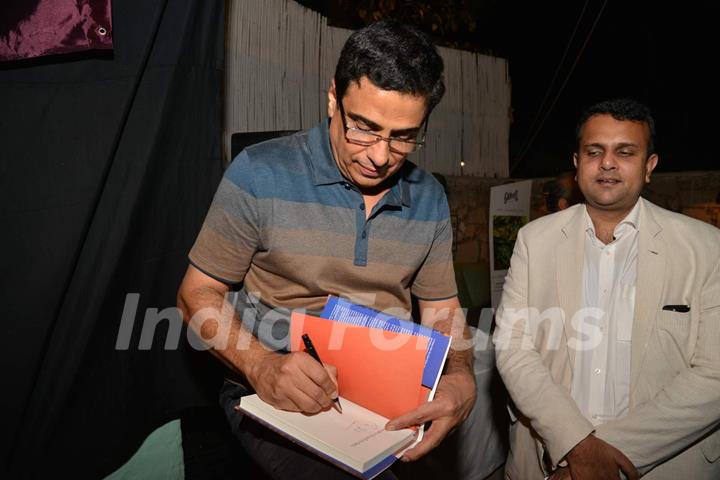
(393, 56)
(621, 109)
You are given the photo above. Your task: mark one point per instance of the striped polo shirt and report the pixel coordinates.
(287, 224)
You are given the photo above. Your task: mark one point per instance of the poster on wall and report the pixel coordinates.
(509, 211)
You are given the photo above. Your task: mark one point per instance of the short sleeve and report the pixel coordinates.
(435, 280)
(230, 235)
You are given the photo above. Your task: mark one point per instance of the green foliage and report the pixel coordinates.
(505, 229)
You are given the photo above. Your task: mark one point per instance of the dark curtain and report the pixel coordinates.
(108, 163)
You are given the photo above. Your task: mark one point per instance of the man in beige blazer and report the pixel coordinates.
(608, 332)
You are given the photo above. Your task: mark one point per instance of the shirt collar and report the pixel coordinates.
(326, 172)
(633, 217)
(631, 220)
(400, 191)
(322, 162)
(399, 194)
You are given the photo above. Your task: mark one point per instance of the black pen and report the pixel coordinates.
(310, 349)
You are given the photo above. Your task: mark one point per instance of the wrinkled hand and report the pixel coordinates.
(454, 399)
(294, 382)
(594, 459)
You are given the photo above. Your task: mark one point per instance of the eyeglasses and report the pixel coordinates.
(367, 138)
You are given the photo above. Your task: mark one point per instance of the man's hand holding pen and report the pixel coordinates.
(295, 382)
(310, 350)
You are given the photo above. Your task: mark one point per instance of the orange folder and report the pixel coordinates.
(380, 370)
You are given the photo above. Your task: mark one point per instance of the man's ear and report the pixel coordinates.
(575, 160)
(650, 165)
(332, 99)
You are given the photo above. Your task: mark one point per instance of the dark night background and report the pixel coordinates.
(662, 53)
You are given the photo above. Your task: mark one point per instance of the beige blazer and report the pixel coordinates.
(671, 430)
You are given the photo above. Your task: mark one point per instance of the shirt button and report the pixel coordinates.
(607, 253)
(363, 235)
(597, 371)
(362, 206)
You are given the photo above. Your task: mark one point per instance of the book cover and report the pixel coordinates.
(379, 370)
(342, 310)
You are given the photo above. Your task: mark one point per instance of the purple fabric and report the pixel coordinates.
(45, 27)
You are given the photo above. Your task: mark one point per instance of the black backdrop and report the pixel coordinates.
(108, 163)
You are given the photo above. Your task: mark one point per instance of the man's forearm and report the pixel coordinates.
(451, 321)
(460, 356)
(215, 321)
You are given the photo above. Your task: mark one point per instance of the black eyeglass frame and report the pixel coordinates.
(417, 144)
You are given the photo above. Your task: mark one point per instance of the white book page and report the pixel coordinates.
(356, 437)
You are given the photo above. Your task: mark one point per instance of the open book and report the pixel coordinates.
(386, 367)
(355, 440)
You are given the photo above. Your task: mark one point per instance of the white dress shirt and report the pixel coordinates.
(601, 379)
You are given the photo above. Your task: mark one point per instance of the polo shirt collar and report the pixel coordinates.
(322, 163)
(399, 194)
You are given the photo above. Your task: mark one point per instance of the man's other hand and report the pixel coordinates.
(454, 399)
(294, 382)
(594, 459)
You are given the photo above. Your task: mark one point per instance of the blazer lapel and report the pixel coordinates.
(652, 259)
(570, 260)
